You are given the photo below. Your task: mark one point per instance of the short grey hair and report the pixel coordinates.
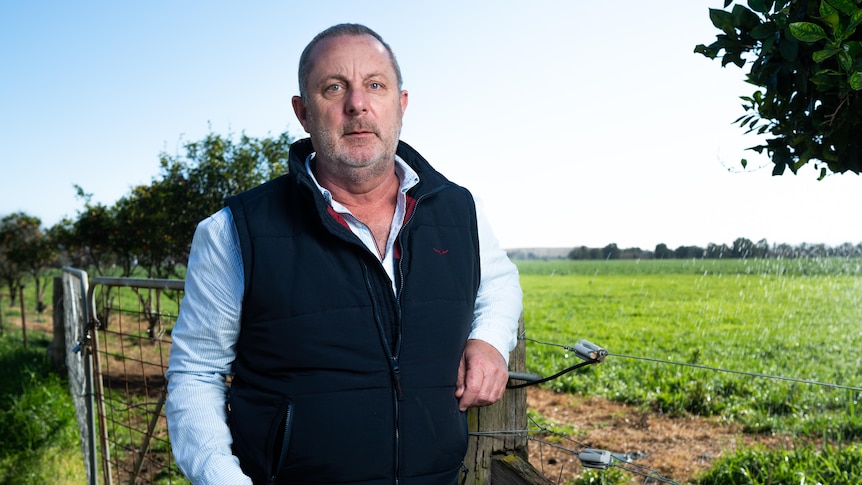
(336, 31)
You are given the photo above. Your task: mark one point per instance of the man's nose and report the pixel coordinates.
(356, 102)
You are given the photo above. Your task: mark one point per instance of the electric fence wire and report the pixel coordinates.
(682, 364)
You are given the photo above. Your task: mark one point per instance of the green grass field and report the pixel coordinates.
(769, 318)
(798, 319)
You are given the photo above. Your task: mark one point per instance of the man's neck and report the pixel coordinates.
(362, 187)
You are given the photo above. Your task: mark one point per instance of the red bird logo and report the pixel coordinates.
(441, 251)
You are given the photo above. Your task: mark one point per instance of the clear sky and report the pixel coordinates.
(576, 123)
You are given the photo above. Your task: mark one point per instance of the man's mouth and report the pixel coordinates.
(359, 130)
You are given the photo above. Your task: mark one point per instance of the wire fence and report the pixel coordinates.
(117, 353)
(127, 345)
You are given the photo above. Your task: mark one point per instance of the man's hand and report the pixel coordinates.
(482, 375)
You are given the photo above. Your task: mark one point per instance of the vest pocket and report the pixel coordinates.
(278, 439)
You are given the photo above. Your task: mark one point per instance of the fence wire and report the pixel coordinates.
(131, 349)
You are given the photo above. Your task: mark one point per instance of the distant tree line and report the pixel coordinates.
(741, 248)
(149, 230)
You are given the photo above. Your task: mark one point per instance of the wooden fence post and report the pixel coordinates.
(502, 460)
(23, 315)
(57, 348)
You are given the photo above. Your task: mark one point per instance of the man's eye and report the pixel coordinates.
(334, 88)
(376, 86)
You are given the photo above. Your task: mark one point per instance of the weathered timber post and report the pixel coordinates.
(502, 460)
(23, 315)
(57, 348)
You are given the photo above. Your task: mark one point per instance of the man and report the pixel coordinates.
(360, 302)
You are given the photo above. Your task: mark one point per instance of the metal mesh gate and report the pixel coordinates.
(128, 337)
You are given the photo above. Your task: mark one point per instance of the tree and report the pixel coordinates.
(688, 252)
(87, 241)
(196, 185)
(808, 71)
(11, 272)
(582, 252)
(663, 252)
(742, 248)
(611, 251)
(27, 247)
(715, 251)
(152, 226)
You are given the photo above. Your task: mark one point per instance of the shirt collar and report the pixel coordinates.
(407, 177)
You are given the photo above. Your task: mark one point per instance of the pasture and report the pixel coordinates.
(798, 319)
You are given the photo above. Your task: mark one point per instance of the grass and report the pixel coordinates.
(832, 465)
(39, 442)
(796, 319)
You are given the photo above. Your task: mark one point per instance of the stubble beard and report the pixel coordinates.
(357, 164)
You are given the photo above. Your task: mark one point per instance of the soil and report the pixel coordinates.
(677, 448)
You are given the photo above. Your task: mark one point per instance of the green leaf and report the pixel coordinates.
(856, 81)
(744, 163)
(820, 56)
(833, 21)
(722, 20)
(702, 49)
(764, 30)
(855, 20)
(778, 169)
(743, 119)
(807, 31)
(847, 7)
(762, 6)
(845, 60)
(854, 48)
(744, 18)
(789, 49)
(826, 9)
(768, 43)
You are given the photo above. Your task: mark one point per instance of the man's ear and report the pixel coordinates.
(301, 111)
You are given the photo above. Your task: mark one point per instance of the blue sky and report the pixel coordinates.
(576, 123)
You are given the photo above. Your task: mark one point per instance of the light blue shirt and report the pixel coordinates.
(208, 326)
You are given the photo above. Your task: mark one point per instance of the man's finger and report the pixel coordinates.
(459, 383)
(472, 387)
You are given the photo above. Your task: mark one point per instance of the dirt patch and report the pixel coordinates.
(677, 447)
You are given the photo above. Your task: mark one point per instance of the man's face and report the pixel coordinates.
(354, 107)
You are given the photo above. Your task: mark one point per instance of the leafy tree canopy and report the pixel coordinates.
(807, 66)
(24, 248)
(152, 226)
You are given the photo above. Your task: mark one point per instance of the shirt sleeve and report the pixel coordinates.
(202, 352)
(499, 301)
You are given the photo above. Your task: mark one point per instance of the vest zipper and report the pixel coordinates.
(285, 442)
(394, 367)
